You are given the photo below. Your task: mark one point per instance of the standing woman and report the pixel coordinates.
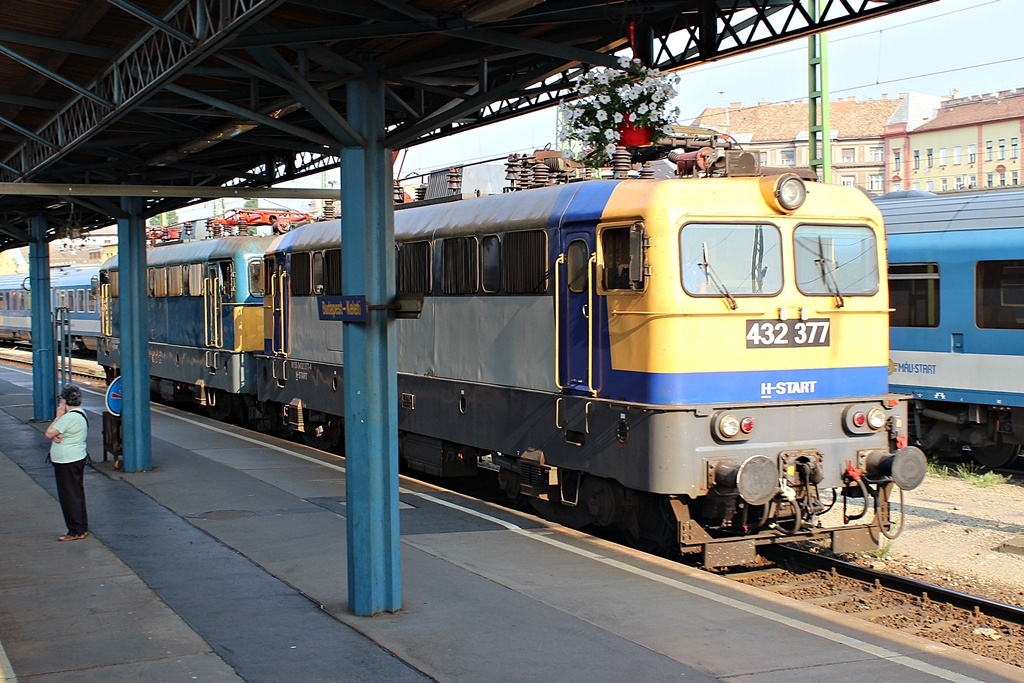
(67, 453)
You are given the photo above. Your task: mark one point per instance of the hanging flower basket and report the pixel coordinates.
(615, 105)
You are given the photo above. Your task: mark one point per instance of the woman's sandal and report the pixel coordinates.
(69, 537)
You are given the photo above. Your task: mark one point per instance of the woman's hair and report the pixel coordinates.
(72, 395)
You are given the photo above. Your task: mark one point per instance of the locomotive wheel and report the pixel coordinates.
(218, 405)
(325, 436)
(999, 455)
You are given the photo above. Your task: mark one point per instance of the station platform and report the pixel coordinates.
(227, 562)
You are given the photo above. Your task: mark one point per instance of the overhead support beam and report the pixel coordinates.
(55, 77)
(541, 47)
(258, 118)
(157, 191)
(148, 18)
(51, 43)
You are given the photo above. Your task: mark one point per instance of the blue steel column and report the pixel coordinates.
(131, 259)
(44, 399)
(371, 384)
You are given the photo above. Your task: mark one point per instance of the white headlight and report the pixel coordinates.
(791, 193)
(876, 418)
(729, 426)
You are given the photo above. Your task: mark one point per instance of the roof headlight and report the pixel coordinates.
(876, 418)
(791, 192)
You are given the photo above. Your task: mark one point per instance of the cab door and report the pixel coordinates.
(576, 315)
(280, 300)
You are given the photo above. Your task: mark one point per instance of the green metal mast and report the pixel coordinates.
(819, 131)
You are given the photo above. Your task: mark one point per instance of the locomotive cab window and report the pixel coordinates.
(318, 272)
(332, 272)
(227, 279)
(301, 275)
(255, 268)
(835, 261)
(999, 295)
(623, 253)
(914, 294)
(730, 260)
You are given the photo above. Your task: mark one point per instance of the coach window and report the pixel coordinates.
(835, 261)
(80, 297)
(413, 272)
(332, 272)
(914, 294)
(728, 259)
(301, 275)
(999, 295)
(524, 262)
(459, 265)
(255, 268)
(174, 287)
(318, 272)
(490, 263)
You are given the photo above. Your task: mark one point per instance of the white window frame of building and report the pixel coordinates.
(989, 150)
(957, 154)
(974, 181)
(961, 182)
(896, 187)
(991, 180)
(1014, 148)
(930, 157)
(848, 180)
(942, 156)
(877, 153)
(787, 157)
(896, 161)
(1002, 179)
(875, 181)
(1013, 178)
(944, 185)
(1002, 148)
(930, 185)
(916, 186)
(763, 157)
(917, 159)
(849, 155)
(972, 153)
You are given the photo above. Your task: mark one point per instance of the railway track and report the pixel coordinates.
(82, 369)
(986, 627)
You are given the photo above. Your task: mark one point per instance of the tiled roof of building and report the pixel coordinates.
(850, 119)
(968, 111)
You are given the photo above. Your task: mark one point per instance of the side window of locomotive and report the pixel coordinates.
(174, 280)
(413, 271)
(914, 294)
(999, 295)
(730, 260)
(332, 271)
(524, 262)
(490, 263)
(837, 261)
(195, 279)
(300, 275)
(227, 279)
(577, 262)
(623, 254)
(115, 287)
(159, 282)
(318, 272)
(255, 268)
(459, 262)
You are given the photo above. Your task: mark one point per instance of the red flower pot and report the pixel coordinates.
(631, 136)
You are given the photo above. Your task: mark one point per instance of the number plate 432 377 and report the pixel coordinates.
(776, 333)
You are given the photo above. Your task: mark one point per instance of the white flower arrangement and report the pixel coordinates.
(609, 97)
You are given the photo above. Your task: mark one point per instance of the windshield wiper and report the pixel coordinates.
(712, 276)
(828, 274)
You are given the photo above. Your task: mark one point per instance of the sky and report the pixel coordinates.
(967, 47)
